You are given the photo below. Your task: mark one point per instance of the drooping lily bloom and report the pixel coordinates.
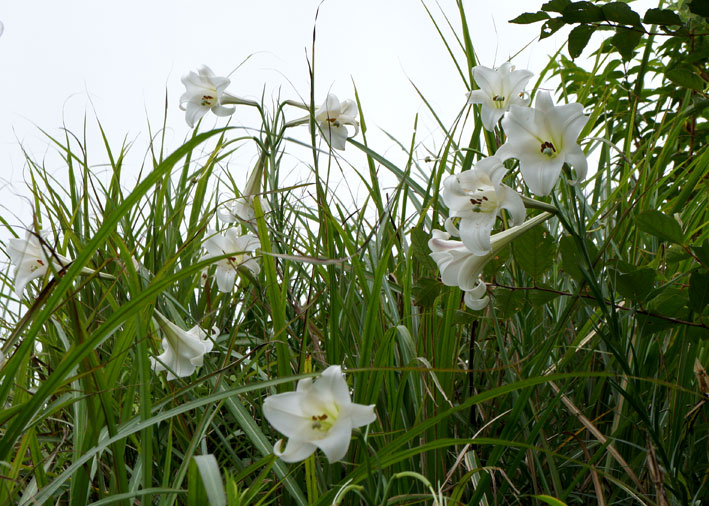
(205, 92)
(240, 249)
(183, 350)
(462, 268)
(32, 259)
(477, 196)
(543, 139)
(332, 117)
(499, 89)
(319, 414)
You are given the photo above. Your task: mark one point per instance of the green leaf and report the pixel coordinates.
(635, 285)
(530, 17)
(421, 251)
(549, 500)
(675, 254)
(211, 479)
(496, 262)
(686, 78)
(534, 251)
(582, 12)
(699, 7)
(196, 492)
(425, 291)
(660, 225)
(578, 38)
(556, 5)
(572, 258)
(541, 297)
(508, 302)
(671, 302)
(620, 12)
(550, 27)
(663, 17)
(625, 41)
(699, 291)
(702, 252)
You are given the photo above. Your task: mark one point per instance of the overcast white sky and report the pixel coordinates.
(63, 60)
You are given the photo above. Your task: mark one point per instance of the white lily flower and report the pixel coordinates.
(32, 259)
(462, 268)
(240, 249)
(205, 92)
(183, 350)
(477, 196)
(242, 209)
(319, 414)
(543, 139)
(499, 89)
(332, 117)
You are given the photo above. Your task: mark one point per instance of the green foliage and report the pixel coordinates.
(581, 383)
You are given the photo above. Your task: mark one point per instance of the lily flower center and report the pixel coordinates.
(548, 149)
(36, 266)
(483, 197)
(235, 260)
(499, 101)
(323, 420)
(208, 99)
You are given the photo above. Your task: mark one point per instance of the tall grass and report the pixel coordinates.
(580, 384)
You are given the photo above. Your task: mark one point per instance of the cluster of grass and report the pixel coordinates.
(582, 383)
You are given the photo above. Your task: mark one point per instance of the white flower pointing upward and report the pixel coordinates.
(239, 248)
(499, 89)
(205, 92)
(460, 267)
(476, 196)
(319, 414)
(183, 350)
(543, 139)
(242, 209)
(332, 117)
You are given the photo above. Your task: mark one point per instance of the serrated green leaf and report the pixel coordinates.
(625, 41)
(660, 225)
(620, 12)
(550, 27)
(582, 12)
(529, 17)
(699, 291)
(663, 17)
(534, 251)
(686, 78)
(556, 5)
(578, 38)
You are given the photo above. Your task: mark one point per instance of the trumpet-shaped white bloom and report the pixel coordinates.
(240, 250)
(319, 414)
(462, 268)
(205, 92)
(499, 89)
(477, 196)
(183, 350)
(332, 117)
(32, 259)
(543, 139)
